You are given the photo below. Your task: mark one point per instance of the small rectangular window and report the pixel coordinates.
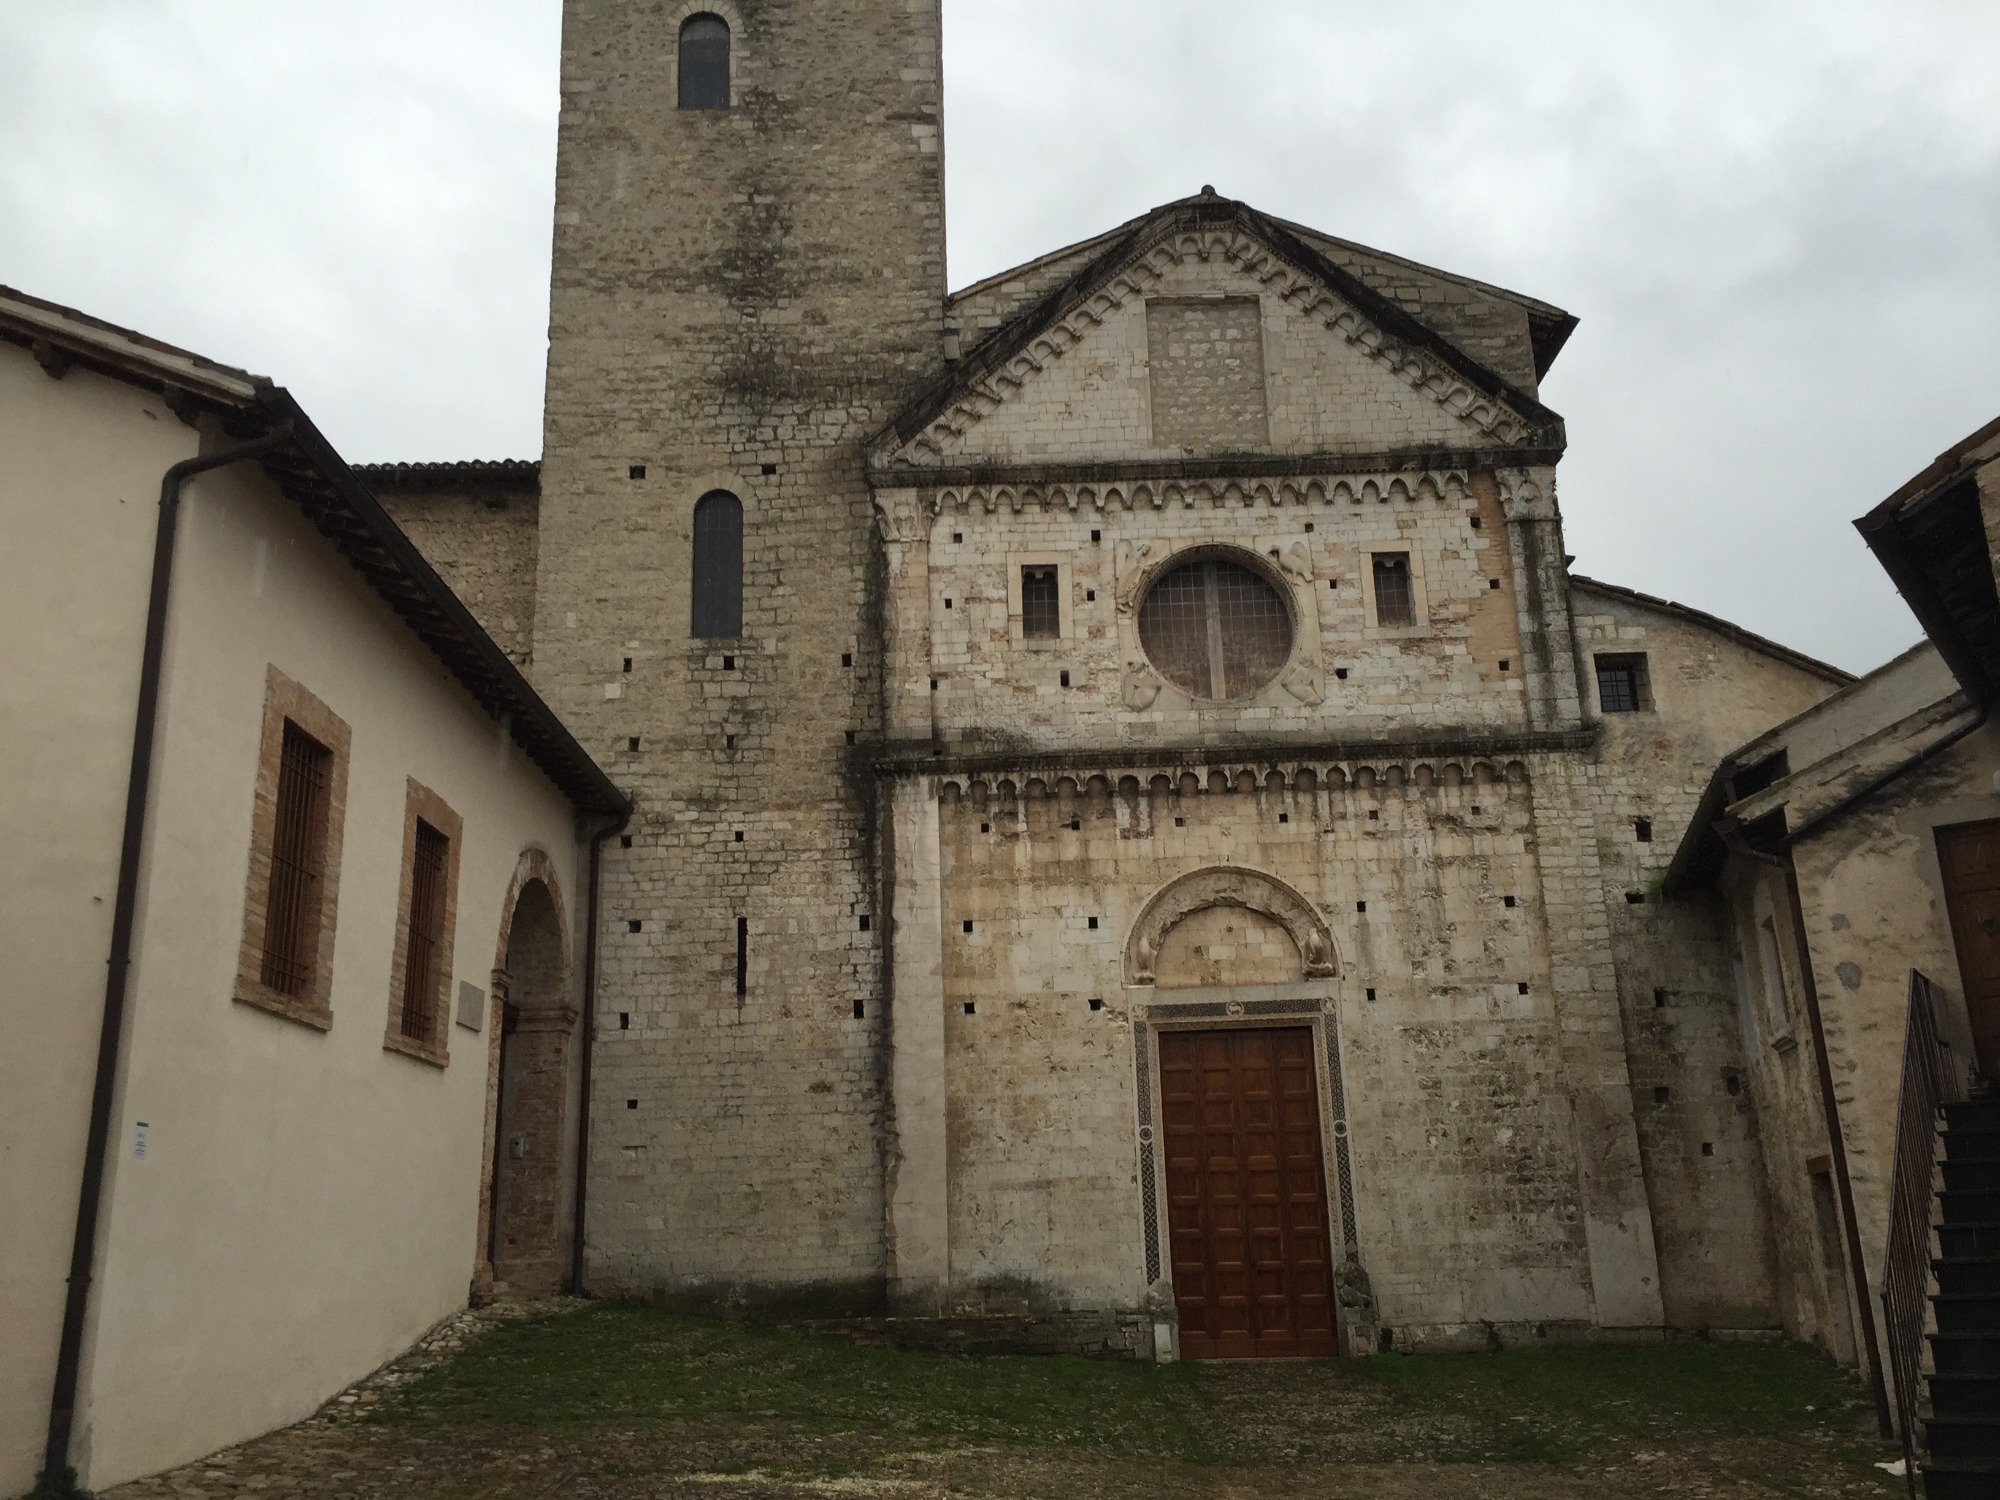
(424, 941)
(1395, 600)
(1621, 684)
(1041, 604)
(298, 864)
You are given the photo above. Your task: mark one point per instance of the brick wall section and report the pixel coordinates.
(478, 525)
(285, 699)
(739, 299)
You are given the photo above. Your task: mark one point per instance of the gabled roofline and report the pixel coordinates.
(1764, 645)
(991, 353)
(1549, 326)
(330, 495)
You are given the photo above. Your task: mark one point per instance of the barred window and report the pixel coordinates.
(1215, 629)
(1041, 603)
(291, 892)
(298, 864)
(1395, 599)
(423, 954)
(1622, 687)
(704, 63)
(426, 916)
(718, 567)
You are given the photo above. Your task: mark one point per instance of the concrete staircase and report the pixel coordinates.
(1962, 1414)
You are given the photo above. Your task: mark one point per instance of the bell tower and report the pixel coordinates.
(748, 280)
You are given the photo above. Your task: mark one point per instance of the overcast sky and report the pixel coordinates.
(1779, 223)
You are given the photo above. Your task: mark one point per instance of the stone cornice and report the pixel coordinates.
(1240, 467)
(1334, 762)
(904, 511)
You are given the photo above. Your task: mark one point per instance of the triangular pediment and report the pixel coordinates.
(1209, 331)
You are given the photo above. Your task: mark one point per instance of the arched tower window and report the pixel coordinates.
(718, 566)
(704, 63)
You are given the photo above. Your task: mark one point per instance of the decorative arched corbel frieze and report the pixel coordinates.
(1229, 885)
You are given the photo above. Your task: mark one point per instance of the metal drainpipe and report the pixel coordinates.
(138, 790)
(589, 1022)
(1732, 836)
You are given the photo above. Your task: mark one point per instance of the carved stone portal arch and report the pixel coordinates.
(1229, 885)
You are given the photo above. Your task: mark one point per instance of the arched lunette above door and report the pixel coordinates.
(1229, 885)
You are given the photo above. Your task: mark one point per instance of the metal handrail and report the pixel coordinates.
(1932, 1078)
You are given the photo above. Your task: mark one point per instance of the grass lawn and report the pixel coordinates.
(735, 1398)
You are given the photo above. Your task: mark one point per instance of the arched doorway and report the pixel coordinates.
(524, 1242)
(1239, 965)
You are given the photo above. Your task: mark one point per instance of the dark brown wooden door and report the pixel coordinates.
(1246, 1194)
(1969, 856)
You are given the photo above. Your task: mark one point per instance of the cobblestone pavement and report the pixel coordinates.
(345, 1452)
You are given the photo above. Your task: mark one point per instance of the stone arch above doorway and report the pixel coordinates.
(1229, 886)
(529, 1085)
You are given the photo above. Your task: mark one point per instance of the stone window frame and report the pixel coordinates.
(1285, 562)
(286, 699)
(1315, 1004)
(1639, 664)
(1420, 604)
(421, 804)
(679, 18)
(1771, 979)
(1065, 605)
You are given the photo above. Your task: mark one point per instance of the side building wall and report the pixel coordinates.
(279, 1153)
(66, 704)
(1708, 691)
(1873, 903)
(289, 1201)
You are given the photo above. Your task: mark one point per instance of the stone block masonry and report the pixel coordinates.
(740, 297)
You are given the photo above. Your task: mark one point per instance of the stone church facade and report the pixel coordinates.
(1142, 843)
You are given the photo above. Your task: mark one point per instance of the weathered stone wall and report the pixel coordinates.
(1874, 909)
(1325, 392)
(740, 297)
(1461, 663)
(1490, 325)
(1465, 1166)
(478, 525)
(1697, 1121)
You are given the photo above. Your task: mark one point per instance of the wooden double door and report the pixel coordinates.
(1969, 860)
(1246, 1194)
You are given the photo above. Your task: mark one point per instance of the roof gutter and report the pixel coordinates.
(138, 791)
